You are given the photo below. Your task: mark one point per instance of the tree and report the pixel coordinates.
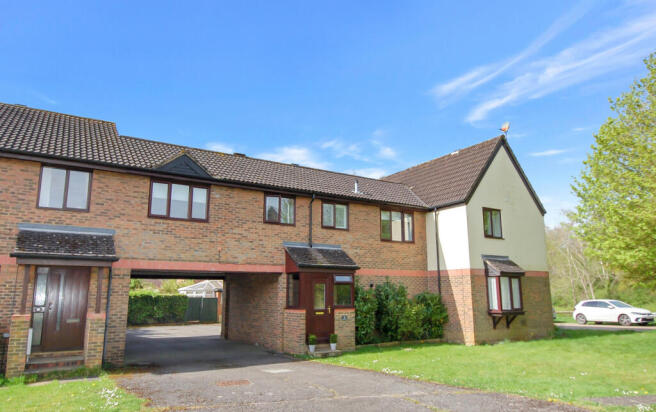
(616, 216)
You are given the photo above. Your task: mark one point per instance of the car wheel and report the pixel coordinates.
(580, 319)
(624, 320)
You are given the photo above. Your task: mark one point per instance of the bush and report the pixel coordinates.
(410, 323)
(312, 339)
(169, 287)
(433, 316)
(365, 315)
(392, 302)
(147, 307)
(333, 338)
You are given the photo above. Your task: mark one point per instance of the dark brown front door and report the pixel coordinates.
(319, 306)
(60, 308)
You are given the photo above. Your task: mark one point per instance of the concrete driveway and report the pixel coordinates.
(191, 367)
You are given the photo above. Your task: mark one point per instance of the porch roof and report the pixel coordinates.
(64, 242)
(501, 265)
(320, 256)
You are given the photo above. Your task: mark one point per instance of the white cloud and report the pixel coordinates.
(44, 98)
(379, 133)
(579, 129)
(219, 147)
(550, 152)
(373, 172)
(295, 154)
(386, 152)
(600, 53)
(341, 149)
(480, 75)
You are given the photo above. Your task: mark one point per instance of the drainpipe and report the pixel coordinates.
(109, 297)
(310, 230)
(437, 253)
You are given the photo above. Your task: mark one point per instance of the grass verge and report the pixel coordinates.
(571, 367)
(100, 394)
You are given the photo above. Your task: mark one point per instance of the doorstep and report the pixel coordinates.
(323, 351)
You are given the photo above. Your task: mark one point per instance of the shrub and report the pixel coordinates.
(147, 307)
(410, 323)
(392, 302)
(312, 339)
(365, 315)
(136, 284)
(169, 287)
(333, 338)
(433, 315)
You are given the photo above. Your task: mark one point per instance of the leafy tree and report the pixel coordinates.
(169, 287)
(136, 284)
(616, 216)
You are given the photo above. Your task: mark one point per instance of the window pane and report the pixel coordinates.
(37, 328)
(199, 203)
(40, 289)
(396, 226)
(492, 293)
(292, 290)
(319, 296)
(341, 217)
(179, 201)
(344, 278)
(407, 226)
(52, 187)
(516, 291)
(159, 199)
(286, 210)
(385, 228)
(505, 293)
(328, 218)
(272, 209)
(78, 189)
(487, 223)
(343, 295)
(496, 223)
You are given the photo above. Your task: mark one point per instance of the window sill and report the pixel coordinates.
(505, 312)
(63, 209)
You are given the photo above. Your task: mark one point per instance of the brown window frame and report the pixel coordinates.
(512, 309)
(490, 210)
(298, 304)
(333, 204)
(351, 283)
(64, 207)
(167, 216)
(279, 196)
(403, 214)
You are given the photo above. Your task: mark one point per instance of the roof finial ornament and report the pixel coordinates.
(504, 128)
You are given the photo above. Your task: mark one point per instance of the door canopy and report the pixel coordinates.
(301, 256)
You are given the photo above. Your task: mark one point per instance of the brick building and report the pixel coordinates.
(83, 210)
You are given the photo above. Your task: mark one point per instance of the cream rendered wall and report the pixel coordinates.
(521, 221)
(454, 242)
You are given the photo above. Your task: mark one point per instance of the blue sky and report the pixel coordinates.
(361, 87)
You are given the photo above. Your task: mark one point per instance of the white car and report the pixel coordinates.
(608, 310)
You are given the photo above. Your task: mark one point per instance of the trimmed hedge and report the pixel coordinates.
(148, 307)
(365, 315)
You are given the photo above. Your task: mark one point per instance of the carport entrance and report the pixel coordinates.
(188, 334)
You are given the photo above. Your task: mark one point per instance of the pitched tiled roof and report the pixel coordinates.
(320, 257)
(38, 132)
(448, 179)
(48, 241)
(499, 266)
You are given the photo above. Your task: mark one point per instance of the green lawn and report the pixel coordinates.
(572, 366)
(91, 395)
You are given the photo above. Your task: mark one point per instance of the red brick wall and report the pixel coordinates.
(234, 234)
(345, 329)
(93, 339)
(457, 296)
(255, 309)
(118, 317)
(16, 351)
(294, 331)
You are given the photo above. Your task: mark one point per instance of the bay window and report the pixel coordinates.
(65, 189)
(178, 201)
(504, 294)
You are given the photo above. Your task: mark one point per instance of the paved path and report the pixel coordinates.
(610, 328)
(193, 369)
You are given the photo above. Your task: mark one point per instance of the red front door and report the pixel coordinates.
(60, 308)
(319, 306)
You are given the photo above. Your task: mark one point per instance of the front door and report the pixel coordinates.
(319, 308)
(60, 308)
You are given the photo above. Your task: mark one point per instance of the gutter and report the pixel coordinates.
(437, 252)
